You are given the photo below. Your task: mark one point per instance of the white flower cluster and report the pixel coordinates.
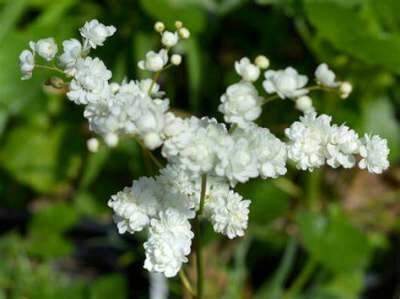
(129, 108)
(165, 205)
(201, 152)
(313, 142)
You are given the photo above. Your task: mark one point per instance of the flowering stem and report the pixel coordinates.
(50, 68)
(150, 154)
(186, 282)
(153, 82)
(197, 228)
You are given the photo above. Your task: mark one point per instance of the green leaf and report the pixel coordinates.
(110, 286)
(267, 201)
(94, 165)
(44, 162)
(192, 16)
(47, 228)
(333, 241)
(355, 34)
(379, 118)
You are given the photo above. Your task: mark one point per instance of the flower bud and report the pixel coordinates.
(345, 89)
(304, 104)
(176, 59)
(152, 140)
(178, 24)
(159, 27)
(184, 33)
(262, 62)
(111, 139)
(93, 145)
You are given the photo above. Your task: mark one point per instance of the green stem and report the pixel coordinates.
(186, 283)
(198, 239)
(301, 279)
(153, 82)
(50, 68)
(150, 154)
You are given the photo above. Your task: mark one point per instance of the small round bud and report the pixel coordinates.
(184, 33)
(345, 89)
(159, 27)
(114, 87)
(178, 24)
(111, 139)
(262, 62)
(304, 104)
(176, 59)
(93, 145)
(152, 140)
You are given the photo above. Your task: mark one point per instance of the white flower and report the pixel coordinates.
(325, 76)
(72, 51)
(196, 144)
(374, 152)
(154, 62)
(169, 243)
(271, 152)
(90, 83)
(134, 206)
(307, 140)
(46, 48)
(178, 181)
(236, 161)
(95, 33)
(169, 39)
(27, 64)
(241, 104)
(342, 144)
(286, 83)
(228, 213)
(248, 71)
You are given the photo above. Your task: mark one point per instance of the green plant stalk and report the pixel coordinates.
(186, 283)
(198, 239)
(301, 279)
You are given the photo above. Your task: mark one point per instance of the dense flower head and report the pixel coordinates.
(307, 139)
(241, 104)
(270, 151)
(90, 83)
(229, 214)
(374, 152)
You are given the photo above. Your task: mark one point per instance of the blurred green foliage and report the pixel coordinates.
(311, 235)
